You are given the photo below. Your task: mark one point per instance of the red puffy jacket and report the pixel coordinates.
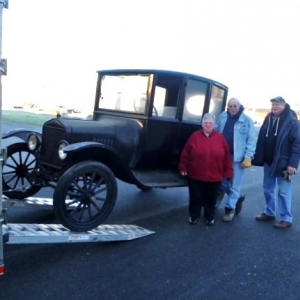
(206, 158)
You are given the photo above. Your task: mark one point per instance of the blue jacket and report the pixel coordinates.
(287, 149)
(244, 136)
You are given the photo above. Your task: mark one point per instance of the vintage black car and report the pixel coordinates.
(141, 121)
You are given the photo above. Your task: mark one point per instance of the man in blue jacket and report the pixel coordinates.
(238, 129)
(278, 151)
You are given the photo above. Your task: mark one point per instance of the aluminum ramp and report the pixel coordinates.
(34, 202)
(56, 233)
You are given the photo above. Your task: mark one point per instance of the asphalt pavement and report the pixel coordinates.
(243, 259)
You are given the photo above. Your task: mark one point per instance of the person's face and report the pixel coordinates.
(233, 107)
(277, 108)
(208, 126)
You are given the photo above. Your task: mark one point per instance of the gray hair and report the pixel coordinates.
(209, 116)
(236, 100)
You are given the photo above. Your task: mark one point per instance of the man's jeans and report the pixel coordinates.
(284, 195)
(233, 189)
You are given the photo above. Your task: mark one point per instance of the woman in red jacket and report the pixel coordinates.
(206, 161)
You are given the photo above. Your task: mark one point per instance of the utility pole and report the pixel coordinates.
(3, 4)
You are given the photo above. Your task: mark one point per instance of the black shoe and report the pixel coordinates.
(264, 217)
(283, 225)
(239, 204)
(210, 223)
(192, 221)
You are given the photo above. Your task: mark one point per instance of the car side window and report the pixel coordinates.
(166, 96)
(216, 101)
(124, 93)
(161, 107)
(194, 100)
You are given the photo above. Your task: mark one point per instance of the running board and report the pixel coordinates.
(56, 233)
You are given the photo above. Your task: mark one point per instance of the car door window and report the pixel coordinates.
(161, 109)
(166, 96)
(216, 101)
(194, 100)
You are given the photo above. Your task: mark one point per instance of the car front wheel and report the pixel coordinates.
(85, 195)
(17, 172)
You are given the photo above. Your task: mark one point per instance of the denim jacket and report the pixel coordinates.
(244, 137)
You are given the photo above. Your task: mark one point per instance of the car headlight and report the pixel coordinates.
(62, 145)
(33, 142)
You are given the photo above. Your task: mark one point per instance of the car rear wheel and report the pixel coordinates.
(85, 195)
(17, 172)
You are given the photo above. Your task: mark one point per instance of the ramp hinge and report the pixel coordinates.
(3, 65)
(3, 156)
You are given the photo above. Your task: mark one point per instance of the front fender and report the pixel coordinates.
(104, 154)
(21, 133)
(83, 145)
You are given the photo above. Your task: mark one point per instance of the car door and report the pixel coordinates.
(162, 127)
(201, 97)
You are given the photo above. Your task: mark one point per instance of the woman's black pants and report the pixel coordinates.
(203, 194)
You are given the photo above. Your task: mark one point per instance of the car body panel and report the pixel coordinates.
(141, 121)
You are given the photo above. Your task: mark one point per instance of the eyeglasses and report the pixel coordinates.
(231, 106)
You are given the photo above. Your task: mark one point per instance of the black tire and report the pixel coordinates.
(16, 173)
(220, 197)
(85, 195)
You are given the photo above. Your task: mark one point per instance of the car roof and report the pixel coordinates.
(158, 71)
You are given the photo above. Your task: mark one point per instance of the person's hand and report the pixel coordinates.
(227, 183)
(247, 163)
(291, 170)
(183, 173)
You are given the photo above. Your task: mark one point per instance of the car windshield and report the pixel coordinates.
(127, 93)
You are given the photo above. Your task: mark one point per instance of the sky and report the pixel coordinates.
(54, 48)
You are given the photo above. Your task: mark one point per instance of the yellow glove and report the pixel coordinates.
(246, 163)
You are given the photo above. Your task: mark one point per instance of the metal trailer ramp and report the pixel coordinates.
(56, 233)
(34, 202)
